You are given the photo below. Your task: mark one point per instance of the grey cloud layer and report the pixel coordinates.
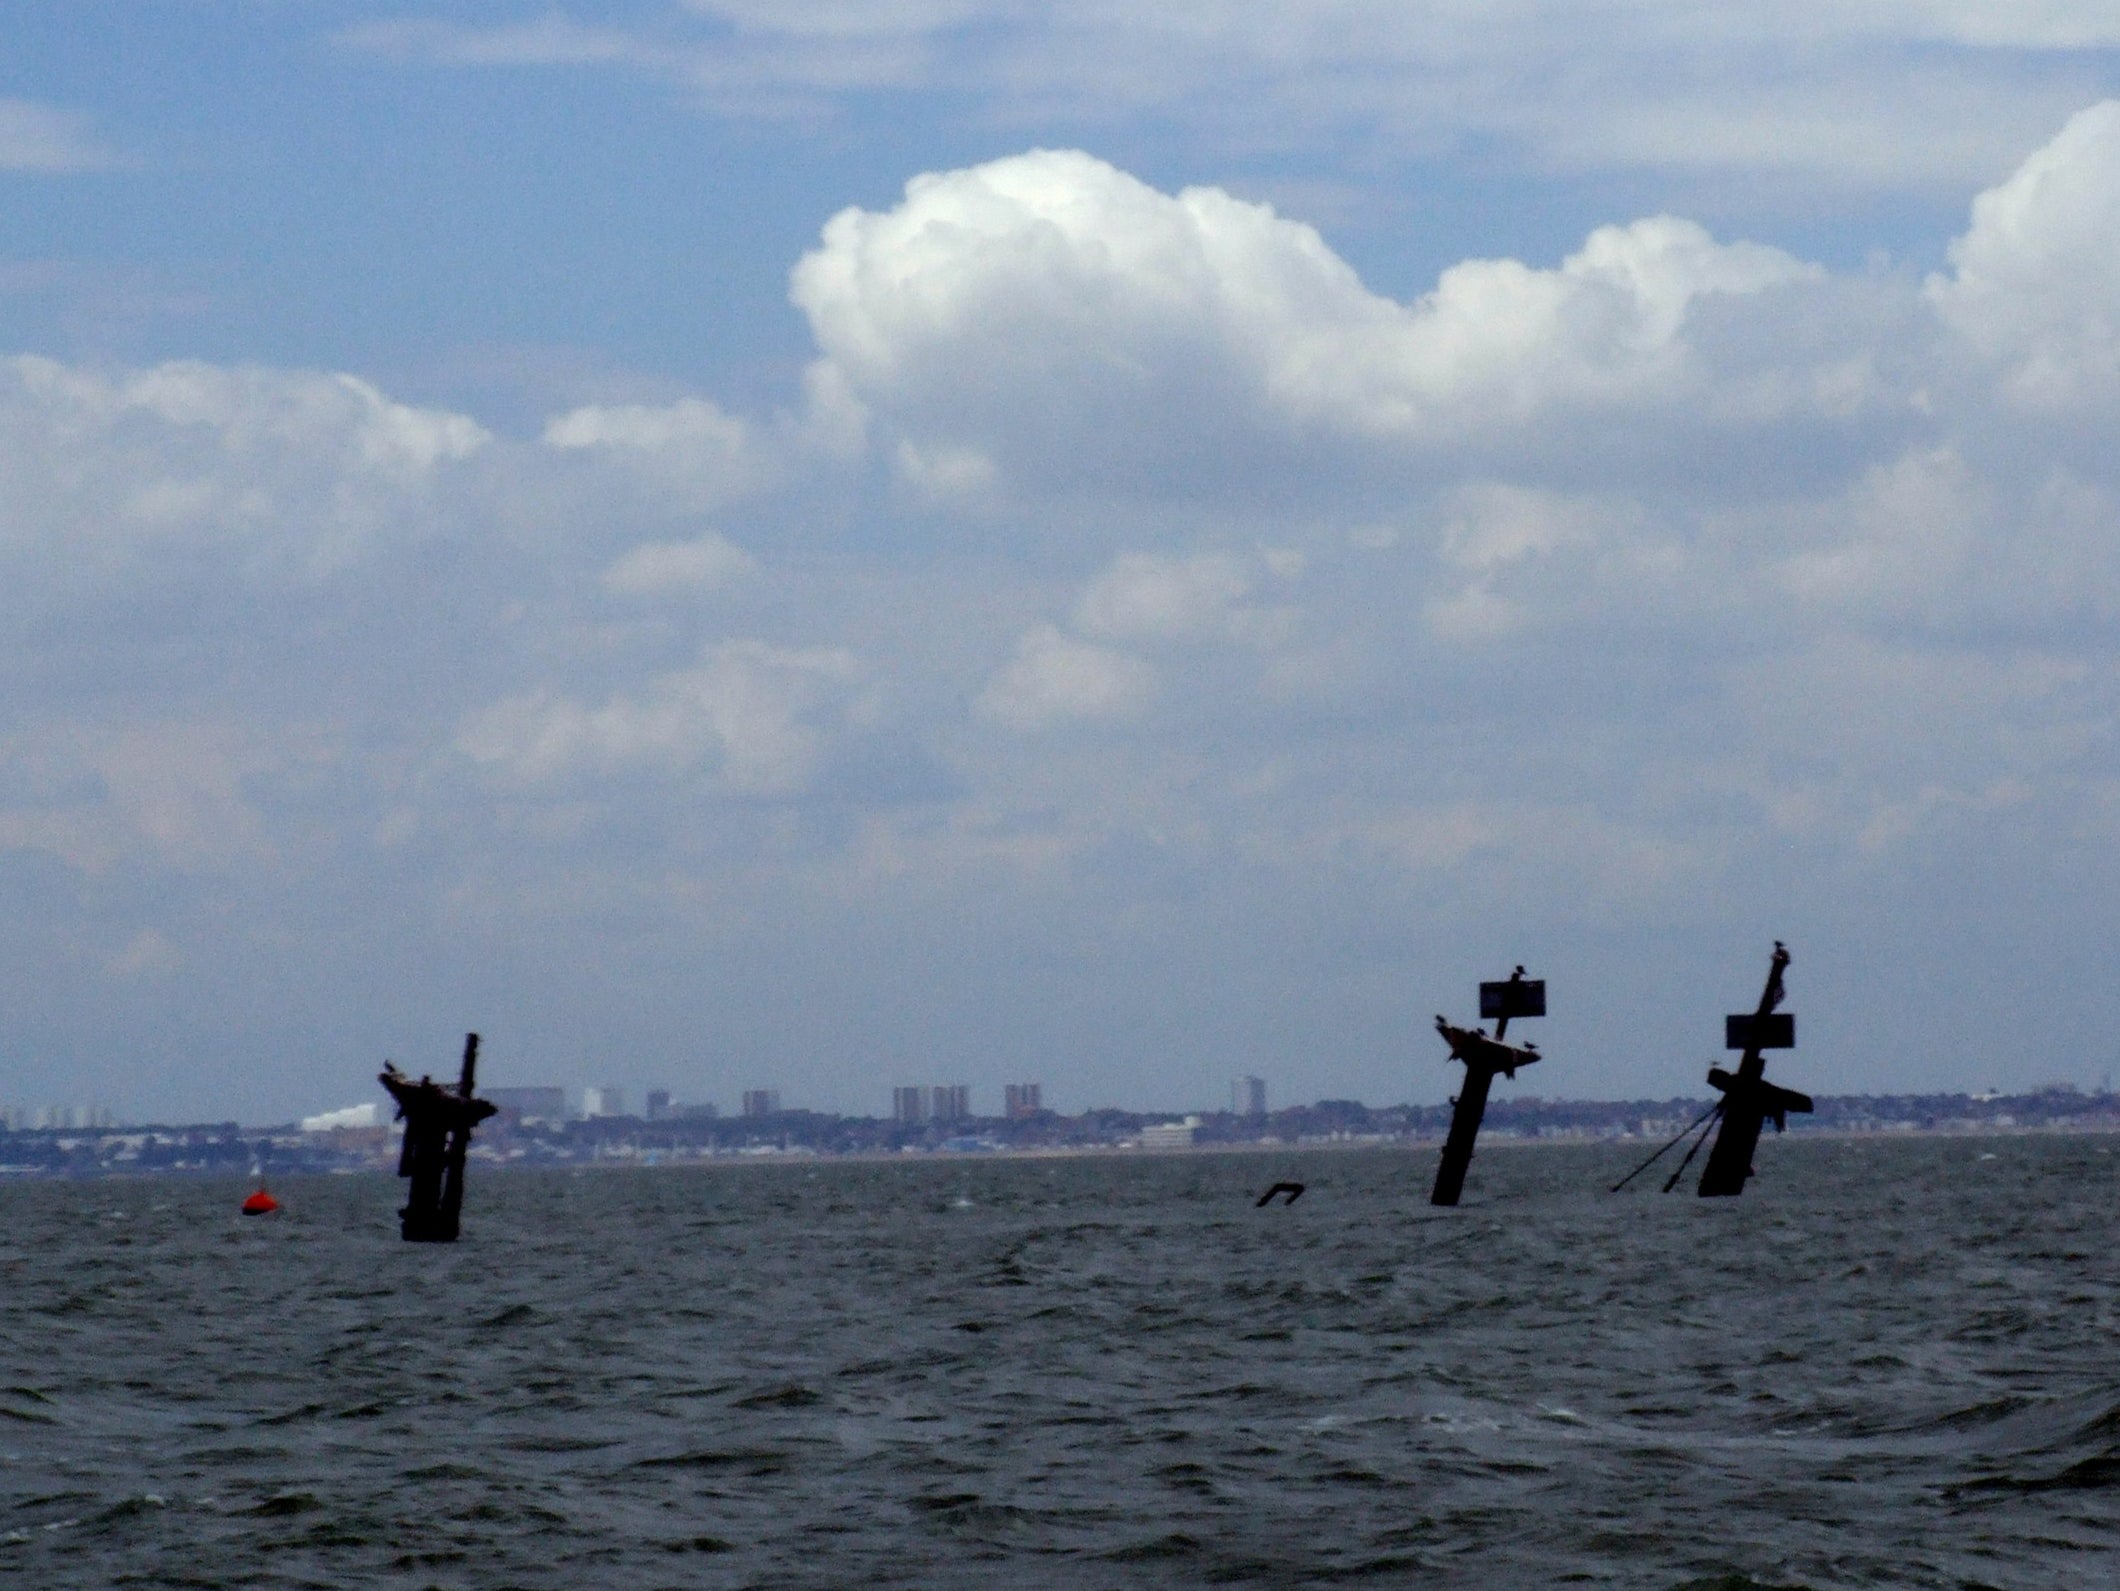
(1184, 593)
(1871, 96)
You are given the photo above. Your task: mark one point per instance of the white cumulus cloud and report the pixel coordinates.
(2036, 278)
(1049, 313)
(305, 468)
(660, 568)
(763, 716)
(1146, 595)
(1203, 596)
(696, 453)
(1055, 678)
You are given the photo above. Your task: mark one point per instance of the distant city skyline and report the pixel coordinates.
(364, 1137)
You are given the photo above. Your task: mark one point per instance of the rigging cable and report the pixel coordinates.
(1652, 1160)
(1690, 1153)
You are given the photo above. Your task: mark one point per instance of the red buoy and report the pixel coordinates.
(260, 1203)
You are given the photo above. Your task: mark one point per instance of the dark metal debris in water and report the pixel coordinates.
(438, 1125)
(1513, 996)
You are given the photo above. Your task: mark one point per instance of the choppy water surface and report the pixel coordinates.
(1889, 1365)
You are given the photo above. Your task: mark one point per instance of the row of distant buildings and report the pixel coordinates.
(549, 1104)
(63, 1118)
(942, 1102)
(948, 1102)
(911, 1104)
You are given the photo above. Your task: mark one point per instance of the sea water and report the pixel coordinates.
(1888, 1364)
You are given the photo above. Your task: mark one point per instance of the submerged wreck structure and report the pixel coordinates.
(1749, 1101)
(438, 1123)
(1514, 996)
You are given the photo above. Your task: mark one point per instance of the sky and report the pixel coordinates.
(728, 545)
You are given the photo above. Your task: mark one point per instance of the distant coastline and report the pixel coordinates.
(227, 1148)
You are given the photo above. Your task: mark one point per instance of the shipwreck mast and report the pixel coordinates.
(438, 1123)
(1513, 996)
(1749, 1101)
